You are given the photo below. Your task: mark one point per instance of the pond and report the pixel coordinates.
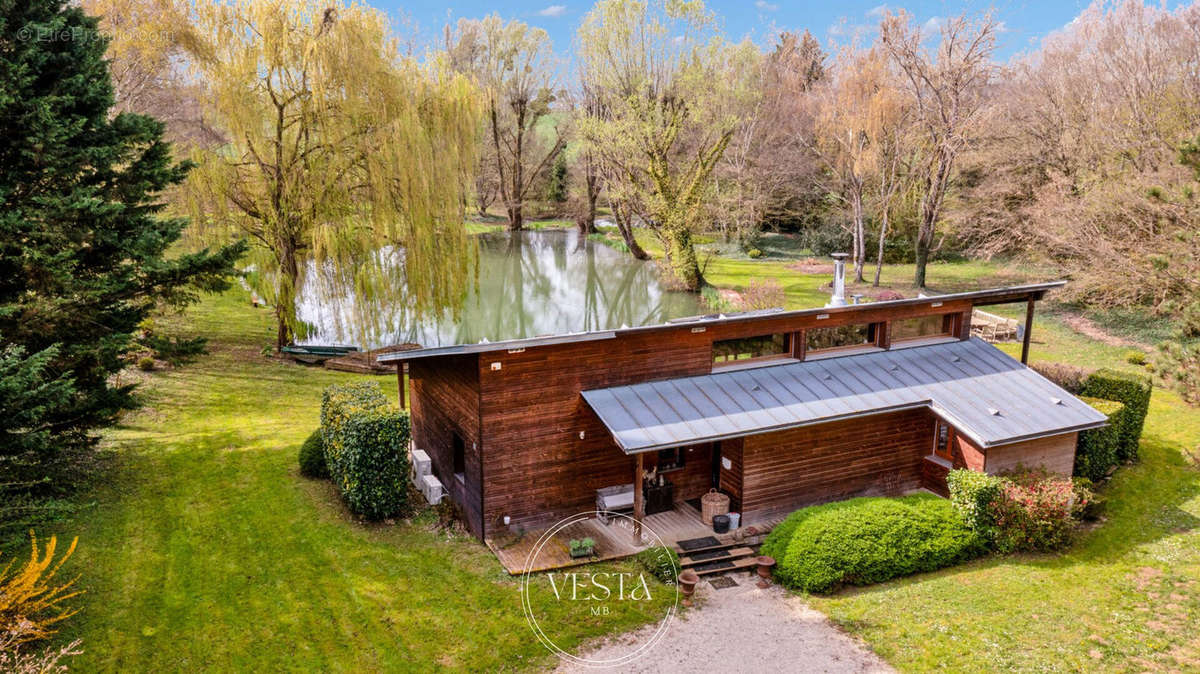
(530, 283)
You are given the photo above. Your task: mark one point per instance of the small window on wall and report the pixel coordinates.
(670, 459)
(732, 351)
(942, 440)
(920, 328)
(460, 456)
(840, 337)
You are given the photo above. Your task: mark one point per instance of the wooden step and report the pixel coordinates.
(730, 564)
(719, 546)
(699, 558)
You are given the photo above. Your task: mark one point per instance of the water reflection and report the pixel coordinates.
(530, 284)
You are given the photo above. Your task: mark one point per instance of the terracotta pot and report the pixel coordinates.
(765, 564)
(687, 582)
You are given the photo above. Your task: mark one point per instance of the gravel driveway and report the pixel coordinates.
(744, 629)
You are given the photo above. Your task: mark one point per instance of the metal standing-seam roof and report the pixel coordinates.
(983, 392)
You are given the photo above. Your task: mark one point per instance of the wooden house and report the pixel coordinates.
(777, 409)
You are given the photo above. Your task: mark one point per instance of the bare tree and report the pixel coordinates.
(947, 87)
(515, 67)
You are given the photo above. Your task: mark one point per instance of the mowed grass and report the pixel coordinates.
(204, 549)
(1126, 597)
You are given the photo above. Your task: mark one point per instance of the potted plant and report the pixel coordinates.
(585, 547)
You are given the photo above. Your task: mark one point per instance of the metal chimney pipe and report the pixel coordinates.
(839, 280)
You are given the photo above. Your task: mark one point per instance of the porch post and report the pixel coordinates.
(639, 505)
(1028, 331)
(400, 376)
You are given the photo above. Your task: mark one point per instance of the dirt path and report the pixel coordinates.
(744, 629)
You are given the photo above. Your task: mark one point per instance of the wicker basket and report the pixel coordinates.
(713, 503)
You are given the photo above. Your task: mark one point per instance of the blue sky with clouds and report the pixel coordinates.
(1025, 21)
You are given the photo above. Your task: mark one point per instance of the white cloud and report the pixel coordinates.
(554, 11)
(877, 11)
(934, 23)
(1001, 27)
(765, 6)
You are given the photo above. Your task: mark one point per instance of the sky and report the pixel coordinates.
(1024, 22)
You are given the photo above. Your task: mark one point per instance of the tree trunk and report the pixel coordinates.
(883, 223)
(682, 259)
(285, 295)
(625, 227)
(516, 218)
(860, 244)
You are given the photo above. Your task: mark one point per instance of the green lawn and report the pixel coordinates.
(205, 548)
(1126, 597)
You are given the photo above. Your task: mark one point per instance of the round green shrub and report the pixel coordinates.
(754, 253)
(869, 540)
(312, 457)
(1135, 358)
(145, 363)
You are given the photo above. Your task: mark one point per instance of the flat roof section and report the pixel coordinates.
(978, 297)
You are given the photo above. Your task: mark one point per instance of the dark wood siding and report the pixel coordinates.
(731, 478)
(534, 444)
(879, 454)
(445, 401)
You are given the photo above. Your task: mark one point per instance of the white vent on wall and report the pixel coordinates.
(432, 489)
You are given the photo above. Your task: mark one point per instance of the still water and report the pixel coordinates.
(530, 283)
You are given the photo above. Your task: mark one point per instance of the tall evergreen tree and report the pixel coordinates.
(82, 239)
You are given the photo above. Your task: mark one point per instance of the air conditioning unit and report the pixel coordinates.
(432, 489)
(421, 465)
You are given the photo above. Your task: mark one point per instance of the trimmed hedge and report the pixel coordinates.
(1133, 391)
(1099, 448)
(869, 540)
(973, 494)
(312, 457)
(661, 562)
(366, 443)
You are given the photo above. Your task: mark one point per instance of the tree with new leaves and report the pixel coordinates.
(662, 73)
(947, 87)
(515, 69)
(344, 156)
(83, 243)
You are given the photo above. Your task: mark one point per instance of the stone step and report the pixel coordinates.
(702, 558)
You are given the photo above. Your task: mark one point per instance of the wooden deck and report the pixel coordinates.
(613, 541)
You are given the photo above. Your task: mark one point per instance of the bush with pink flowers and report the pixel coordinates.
(1037, 511)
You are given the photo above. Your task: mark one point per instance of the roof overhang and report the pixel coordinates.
(1005, 295)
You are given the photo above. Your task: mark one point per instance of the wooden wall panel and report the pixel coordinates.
(1055, 453)
(445, 400)
(538, 466)
(731, 478)
(539, 451)
(873, 455)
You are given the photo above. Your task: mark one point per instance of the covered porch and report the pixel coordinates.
(615, 540)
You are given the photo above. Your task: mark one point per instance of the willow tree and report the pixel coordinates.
(660, 71)
(344, 156)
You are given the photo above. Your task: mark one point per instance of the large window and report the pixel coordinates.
(732, 351)
(919, 328)
(840, 337)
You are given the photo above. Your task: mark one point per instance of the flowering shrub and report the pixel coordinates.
(1036, 511)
